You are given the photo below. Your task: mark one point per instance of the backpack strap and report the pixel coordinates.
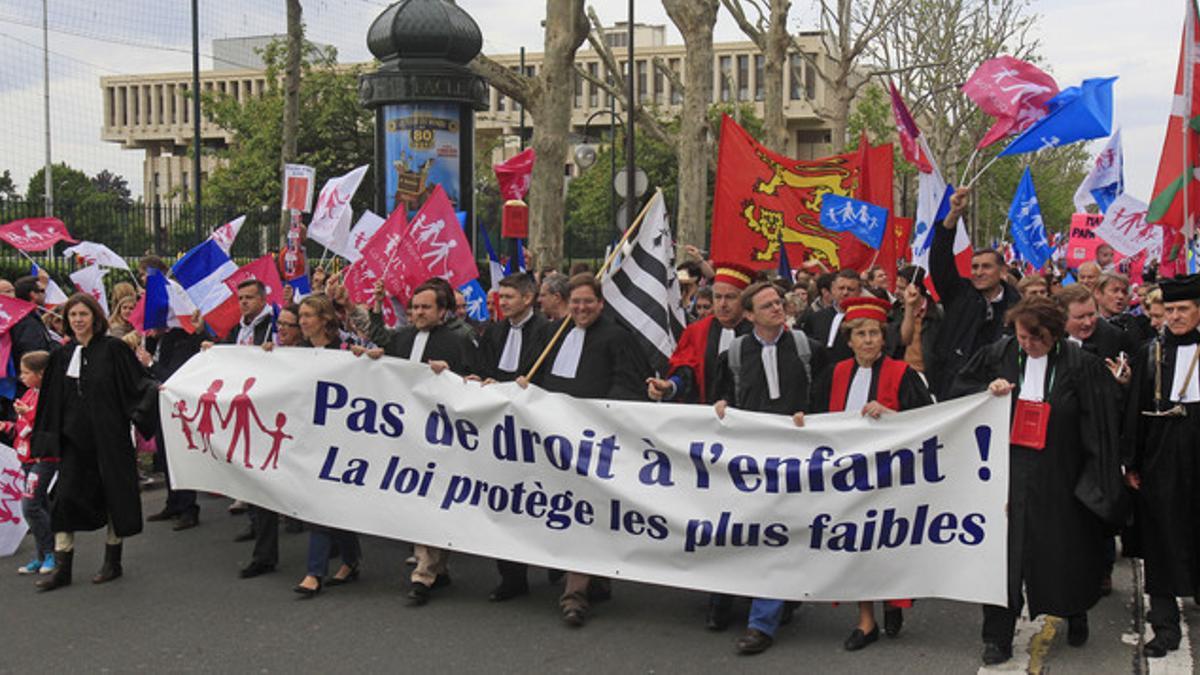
(804, 351)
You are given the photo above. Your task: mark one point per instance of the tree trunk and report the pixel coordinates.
(291, 89)
(775, 58)
(566, 29)
(695, 20)
(839, 119)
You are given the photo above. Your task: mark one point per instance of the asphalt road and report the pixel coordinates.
(182, 607)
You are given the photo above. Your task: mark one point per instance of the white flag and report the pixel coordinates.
(366, 227)
(54, 293)
(90, 280)
(96, 254)
(1125, 228)
(1106, 181)
(330, 224)
(225, 234)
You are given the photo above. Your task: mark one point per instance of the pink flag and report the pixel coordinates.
(379, 257)
(513, 174)
(908, 132)
(263, 270)
(440, 242)
(35, 234)
(1012, 91)
(12, 310)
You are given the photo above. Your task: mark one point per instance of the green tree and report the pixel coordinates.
(8, 189)
(107, 182)
(335, 135)
(93, 208)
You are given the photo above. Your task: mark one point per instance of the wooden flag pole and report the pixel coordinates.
(603, 268)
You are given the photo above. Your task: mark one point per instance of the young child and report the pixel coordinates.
(38, 473)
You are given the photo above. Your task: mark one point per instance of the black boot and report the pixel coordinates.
(62, 572)
(111, 569)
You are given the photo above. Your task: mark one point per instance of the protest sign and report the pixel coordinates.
(847, 508)
(12, 485)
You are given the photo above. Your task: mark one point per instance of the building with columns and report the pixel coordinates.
(152, 112)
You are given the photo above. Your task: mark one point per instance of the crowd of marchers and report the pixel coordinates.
(1102, 377)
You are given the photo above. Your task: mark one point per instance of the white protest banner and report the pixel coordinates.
(1125, 228)
(12, 484)
(848, 508)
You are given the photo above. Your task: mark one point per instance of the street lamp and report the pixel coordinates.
(585, 153)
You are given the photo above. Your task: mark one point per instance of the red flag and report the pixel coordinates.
(35, 234)
(1166, 205)
(758, 192)
(902, 229)
(12, 310)
(224, 317)
(263, 270)
(1012, 91)
(906, 129)
(440, 243)
(513, 174)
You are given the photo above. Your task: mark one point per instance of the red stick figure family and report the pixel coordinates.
(10, 495)
(240, 414)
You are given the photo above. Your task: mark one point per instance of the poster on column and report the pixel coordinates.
(910, 505)
(423, 146)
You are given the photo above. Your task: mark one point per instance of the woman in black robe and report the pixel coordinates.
(1060, 496)
(874, 385)
(94, 388)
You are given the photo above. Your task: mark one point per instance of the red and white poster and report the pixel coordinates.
(299, 185)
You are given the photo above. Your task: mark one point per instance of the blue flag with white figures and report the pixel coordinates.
(476, 299)
(1076, 114)
(1028, 231)
(866, 221)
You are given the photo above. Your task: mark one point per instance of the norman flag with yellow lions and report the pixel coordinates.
(762, 198)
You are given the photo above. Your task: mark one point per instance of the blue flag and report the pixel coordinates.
(865, 221)
(516, 263)
(1028, 232)
(158, 302)
(785, 265)
(476, 300)
(1076, 114)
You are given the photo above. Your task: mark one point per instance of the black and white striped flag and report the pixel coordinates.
(643, 289)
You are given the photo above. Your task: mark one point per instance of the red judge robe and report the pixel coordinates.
(893, 384)
(694, 362)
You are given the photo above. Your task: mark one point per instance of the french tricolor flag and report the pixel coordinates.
(164, 305)
(202, 272)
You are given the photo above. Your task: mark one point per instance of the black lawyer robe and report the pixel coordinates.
(913, 392)
(443, 344)
(86, 423)
(1163, 452)
(611, 364)
(1057, 496)
(491, 348)
(751, 393)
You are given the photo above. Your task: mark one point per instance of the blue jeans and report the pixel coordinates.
(320, 543)
(35, 505)
(765, 615)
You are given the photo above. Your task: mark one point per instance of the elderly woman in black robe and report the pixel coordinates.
(94, 388)
(1065, 482)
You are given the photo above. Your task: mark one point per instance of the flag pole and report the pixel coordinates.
(603, 268)
(983, 170)
(967, 168)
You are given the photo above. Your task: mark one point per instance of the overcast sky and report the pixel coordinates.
(1137, 40)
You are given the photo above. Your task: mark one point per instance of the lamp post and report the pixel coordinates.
(585, 154)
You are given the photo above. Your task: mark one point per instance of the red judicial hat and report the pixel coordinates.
(866, 307)
(738, 276)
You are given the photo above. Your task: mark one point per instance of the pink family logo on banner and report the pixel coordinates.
(241, 412)
(12, 488)
(35, 234)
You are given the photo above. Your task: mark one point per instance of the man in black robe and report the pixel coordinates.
(768, 370)
(822, 325)
(508, 349)
(1061, 496)
(1162, 425)
(172, 349)
(692, 374)
(595, 358)
(426, 339)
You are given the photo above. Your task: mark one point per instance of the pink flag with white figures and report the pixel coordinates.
(378, 259)
(12, 310)
(35, 234)
(514, 174)
(90, 280)
(440, 242)
(225, 234)
(264, 270)
(1012, 91)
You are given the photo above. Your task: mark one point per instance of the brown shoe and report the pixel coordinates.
(753, 642)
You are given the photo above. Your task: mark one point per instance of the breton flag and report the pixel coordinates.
(644, 292)
(1176, 182)
(1106, 180)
